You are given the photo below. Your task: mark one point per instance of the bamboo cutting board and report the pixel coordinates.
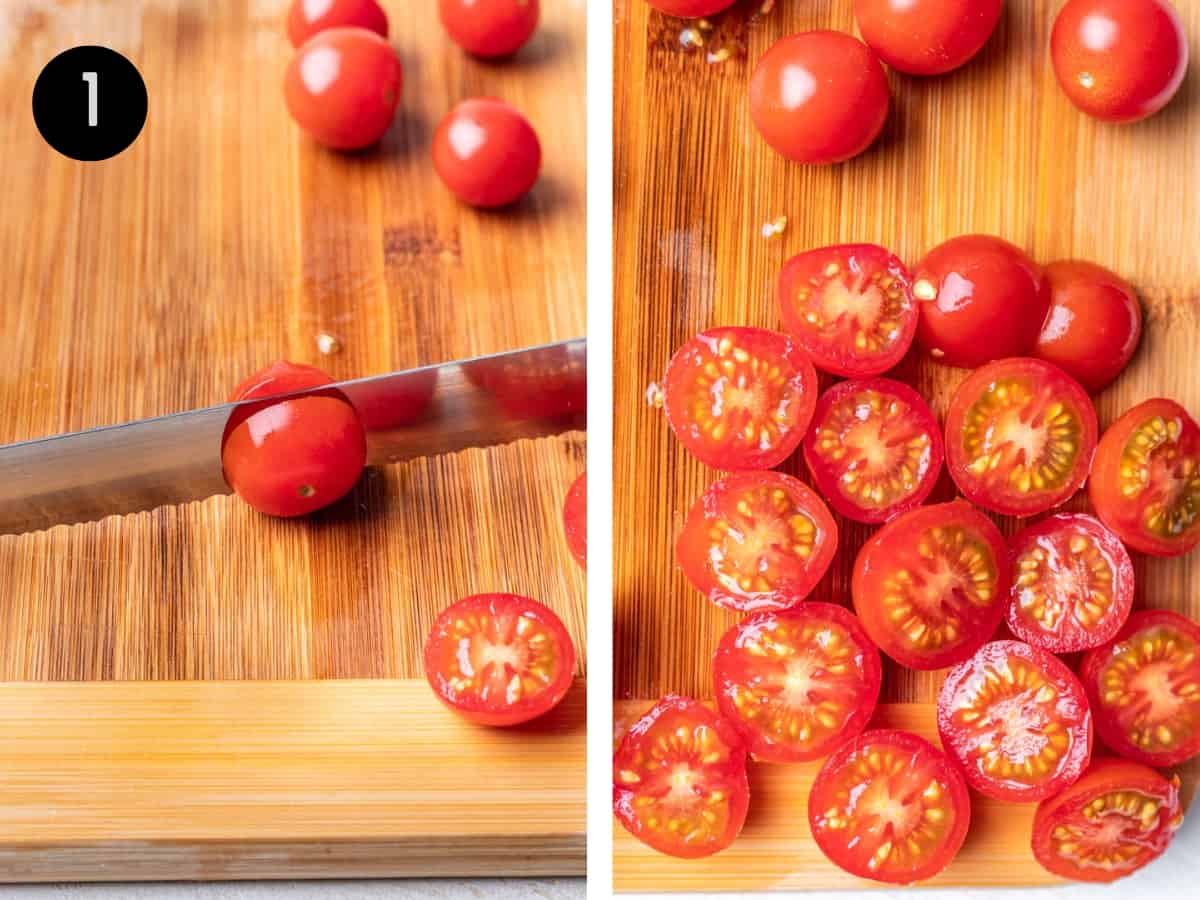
(994, 147)
(151, 283)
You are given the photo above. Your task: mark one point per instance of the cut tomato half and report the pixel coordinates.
(930, 587)
(875, 449)
(757, 540)
(1020, 435)
(850, 306)
(1144, 688)
(679, 780)
(797, 683)
(740, 398)
(1017, 722)
(889, 806)
(575, 519)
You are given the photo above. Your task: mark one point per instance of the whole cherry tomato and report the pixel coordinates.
(690, 9)
(489, 28)
(486, 152)
(926, 37)
(575, 519)
(309, 17)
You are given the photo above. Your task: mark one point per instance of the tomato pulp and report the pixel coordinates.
(575, 519)
(486, 153)
(489, 28)
(309, 17)
(926, 37)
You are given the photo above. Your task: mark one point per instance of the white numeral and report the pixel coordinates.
(93, 80)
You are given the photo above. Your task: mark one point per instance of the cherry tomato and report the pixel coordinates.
(690, 9)
(799, 682)
(387, 404)
(499, 659)
(487, 153)
(889, 806)
(1072, 584)
(549, 385)
(575, 519)
(930, 587)
(1116, 818)
(1016, 721)
(1145, 481)
(1094, 323)
(1119, 60)
(291, 457)
(679, 780)
(981, 298)
(926, 37)
(309, 17)
(342, 87)
(850, 307)
(757, 540)
(819, 97)
(1144, 688)
(875, 449)
(740, 398)
(1020, 435)
(489, 28)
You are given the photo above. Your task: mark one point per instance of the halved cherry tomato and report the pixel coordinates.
(1072, 584)
(1020, 435)
(1144, 688)
(575, 519)
(489, 28)
(926, 37)
(1119, 816)
(819, 97)
(981, 298)
(343, 86)
(930, 587)
(889, 806)
(1145, 481)
(1094, 323)
(294, 456)
(499, 659)
(690, 9)
(799, 682)
(875, 449)
(487, 153)
(757, 540)
(679, 780)
(1119, 60)
(851, 307)
(309, 17)
(1017, 722)
(740, 398)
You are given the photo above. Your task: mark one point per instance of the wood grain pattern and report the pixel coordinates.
(994, 148)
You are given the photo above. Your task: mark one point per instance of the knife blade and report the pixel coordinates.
(173, 459)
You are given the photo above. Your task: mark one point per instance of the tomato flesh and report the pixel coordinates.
(1144, 688)
(489, 28)
(926, 37)
(875, 449)
(309, 17)
(575, 519)
(679, 780)
(740, 398)
(797, 683)
(850, 307)
(889, 806)
(930, 587)
(486, 153)
(1072, 584)
(757, 540)
(499, 659)
(1115, 819)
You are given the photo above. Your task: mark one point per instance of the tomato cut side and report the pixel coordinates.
(797, 683)
(930, 587)
(1017, 722)
(309, 17)
(1020, 435)
(875, 449)
(889, 806)
(1115, 819)
(757, 540)
(1144, 688)
(489, 28)
(499, 659)
(740, 398)
(1072, 584)
(575, 519)
(926, 37)
(679, 780)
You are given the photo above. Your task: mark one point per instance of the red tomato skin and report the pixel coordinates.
(1119, 60)
(486, 153)
(929, 37)
(304, 20)
(343, 86)
(819, 97)
(981, 298)
(489, 28)
(690, 9)
(1094, 323)
(575, 520)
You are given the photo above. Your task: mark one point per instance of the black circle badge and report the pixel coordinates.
(90, 103)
